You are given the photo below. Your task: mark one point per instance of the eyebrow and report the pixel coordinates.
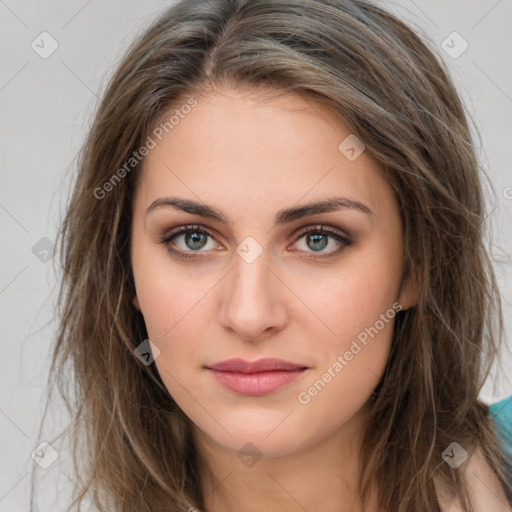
(282, 217)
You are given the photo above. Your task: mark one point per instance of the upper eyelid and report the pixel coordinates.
(323, 227)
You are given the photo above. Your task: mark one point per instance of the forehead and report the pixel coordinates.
(236, 148)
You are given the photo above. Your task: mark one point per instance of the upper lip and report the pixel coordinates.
(261, 365)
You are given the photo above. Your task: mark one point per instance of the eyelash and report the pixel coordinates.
(319, 229)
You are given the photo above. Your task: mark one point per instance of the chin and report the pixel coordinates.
(265, 438)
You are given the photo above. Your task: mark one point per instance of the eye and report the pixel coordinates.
(195, 238)
(317, 238)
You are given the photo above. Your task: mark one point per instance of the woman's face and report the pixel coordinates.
(255, 284)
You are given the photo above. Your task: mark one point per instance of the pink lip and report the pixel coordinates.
(258, 377)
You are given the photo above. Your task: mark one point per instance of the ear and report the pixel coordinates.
(135, 302)
(409, 293)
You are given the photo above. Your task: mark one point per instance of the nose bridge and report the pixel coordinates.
(251, 274)
(251, 304)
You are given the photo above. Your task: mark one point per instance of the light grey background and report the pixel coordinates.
(45, 109)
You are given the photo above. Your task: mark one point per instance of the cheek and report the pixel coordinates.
(174, 322)
(354, 296)
(171, 297)
(359, 308)
(348, 373)
(175, 305)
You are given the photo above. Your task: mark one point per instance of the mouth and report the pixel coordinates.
(256, 378)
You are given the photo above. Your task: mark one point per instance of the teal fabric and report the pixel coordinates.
(501, 413)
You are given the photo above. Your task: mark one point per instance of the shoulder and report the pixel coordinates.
(501, 414)
(485, 490)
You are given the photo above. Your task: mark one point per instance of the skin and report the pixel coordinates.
(251, 158)
(485, 491)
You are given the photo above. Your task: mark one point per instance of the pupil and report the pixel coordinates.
(315, 239)
(195, 238)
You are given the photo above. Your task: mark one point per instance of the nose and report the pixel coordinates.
(253, 304)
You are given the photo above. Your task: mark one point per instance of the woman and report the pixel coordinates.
(276, 292)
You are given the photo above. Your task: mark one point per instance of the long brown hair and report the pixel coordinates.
(396, 95)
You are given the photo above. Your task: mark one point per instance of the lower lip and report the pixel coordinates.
(259, 383)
